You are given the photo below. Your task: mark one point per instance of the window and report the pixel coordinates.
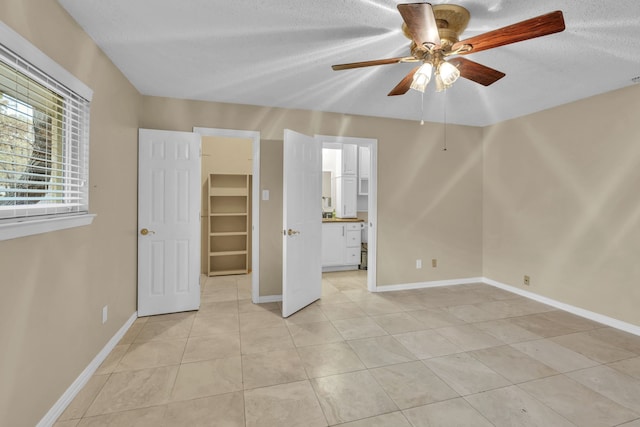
(44, 136)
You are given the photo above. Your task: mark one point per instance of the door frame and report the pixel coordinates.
(255, 198)
(372, 206)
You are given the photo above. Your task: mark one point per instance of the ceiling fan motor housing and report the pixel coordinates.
(451, 19)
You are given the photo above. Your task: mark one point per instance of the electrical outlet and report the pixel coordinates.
(527, 280)
(434, 263)
(418, 263)
(105, 314)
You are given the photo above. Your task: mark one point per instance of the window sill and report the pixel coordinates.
(29, 227)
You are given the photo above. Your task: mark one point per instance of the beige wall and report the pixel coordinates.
(227, 155)
(561, 203)
(271, 218)
(224, 156)
(54, 285)
(429, 204)
(430, 201)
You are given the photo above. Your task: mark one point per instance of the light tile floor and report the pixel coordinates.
(469, 355)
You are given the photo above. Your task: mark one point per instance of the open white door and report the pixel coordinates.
(168, 222)
(302, 221)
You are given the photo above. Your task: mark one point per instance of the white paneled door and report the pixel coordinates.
(302, 221)
(168, 222)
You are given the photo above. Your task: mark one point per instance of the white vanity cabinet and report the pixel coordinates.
(341, 245)
(353, 243)
(346, 197)
(333, 247)
(348, 160)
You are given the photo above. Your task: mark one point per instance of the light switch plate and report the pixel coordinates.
(265, 194)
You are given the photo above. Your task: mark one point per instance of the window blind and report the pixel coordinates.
(44, 143)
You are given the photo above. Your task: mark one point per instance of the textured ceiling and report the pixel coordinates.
(279, 53)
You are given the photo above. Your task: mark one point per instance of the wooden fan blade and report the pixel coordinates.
(368, 63)
(420, 22)
(476, 72)
(531, 28)
(405, 84)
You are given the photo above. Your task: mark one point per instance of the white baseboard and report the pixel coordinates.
(269, 298)
(335, 268)
(432, 284)
(66, 398)
(596, 317)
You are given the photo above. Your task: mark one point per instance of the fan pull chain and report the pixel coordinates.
(444, 145)
(422, 110)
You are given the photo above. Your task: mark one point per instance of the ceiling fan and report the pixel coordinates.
(435, 32)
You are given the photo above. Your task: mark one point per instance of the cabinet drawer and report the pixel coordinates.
(353, 256)
(354, 225)
(353, 238)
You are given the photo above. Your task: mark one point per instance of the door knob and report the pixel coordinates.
(291, 232)
(144, 232)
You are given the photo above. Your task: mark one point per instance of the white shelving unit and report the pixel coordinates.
(228, 226)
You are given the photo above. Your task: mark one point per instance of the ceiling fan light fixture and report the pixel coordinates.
(422, 77)
(449, 73)
(439, 84)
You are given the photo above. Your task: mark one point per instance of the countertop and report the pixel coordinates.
(329, 220)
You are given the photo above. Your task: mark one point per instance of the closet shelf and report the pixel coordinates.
(224, 192)
(228, 233)
(226, 272)
(228, 214)
(227, 253)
